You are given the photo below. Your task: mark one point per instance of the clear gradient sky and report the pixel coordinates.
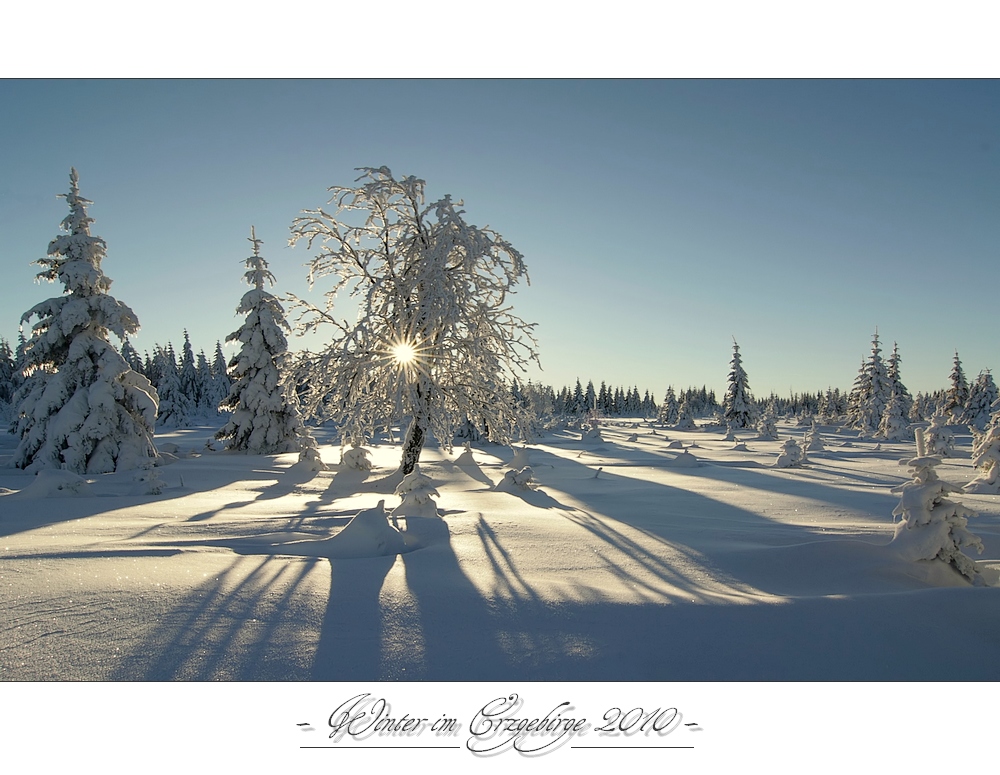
(658, 218)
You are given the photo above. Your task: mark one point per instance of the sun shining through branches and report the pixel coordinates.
(404, 353)
(436, 340)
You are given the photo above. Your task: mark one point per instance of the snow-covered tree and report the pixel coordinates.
(187, 372)
(436, 339)
(176, 408)
(265, 419)
(791, 455)
(7, 368)
(668, 409)
(417, 492)
(932, 527)
(813, 441)
(685, 419)
(896, 386)
(979, 406)
(219, 385)
(871, 392)
(738, 403)
(767, 427)
(938, 437)
(958, 394)
(894, 425)
(203, 373)
(986, 456)
(81, 407)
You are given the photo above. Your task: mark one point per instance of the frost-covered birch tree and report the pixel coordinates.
(435, 338)
(265, 418)
(81, 407)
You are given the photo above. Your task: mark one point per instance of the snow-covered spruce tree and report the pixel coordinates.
(986, 457)
(219, 384)
(668, 409)
(791, 455)
(896, 386)
(685, 419)
(265, 419)
(767, 427)
(6, 372)
(958, 394)
(931, 526)
(81, 407)
(187, 372)
(435, 339)
(938, 437)
(871, 393)
(738, 404)
(979, 407)
(176, 408)
(894, 425)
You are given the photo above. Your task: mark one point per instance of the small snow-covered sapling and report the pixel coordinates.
(931, 526)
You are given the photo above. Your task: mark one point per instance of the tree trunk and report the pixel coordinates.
(412, 445)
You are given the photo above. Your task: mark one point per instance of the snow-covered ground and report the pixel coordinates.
(626, 563)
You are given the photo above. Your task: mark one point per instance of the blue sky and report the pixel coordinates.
(658, 218)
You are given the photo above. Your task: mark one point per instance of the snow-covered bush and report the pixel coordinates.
(418, 492)
(357, 458)
(791, 455)
(523, 479)
(81, 407)
(932, 527)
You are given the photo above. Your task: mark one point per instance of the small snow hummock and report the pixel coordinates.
(514, 480)
(418, 492)
(685, 460)
(147, 481)
(933, 527)
(49, 482)
(791, 455)
(592, 433)
(368, 534)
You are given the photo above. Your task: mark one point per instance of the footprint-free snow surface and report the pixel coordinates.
(622, 560)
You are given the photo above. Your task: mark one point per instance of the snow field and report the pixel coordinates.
(621, 566)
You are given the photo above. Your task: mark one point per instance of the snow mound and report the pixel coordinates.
(55, 482)
(685, 460)
(368, 534)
